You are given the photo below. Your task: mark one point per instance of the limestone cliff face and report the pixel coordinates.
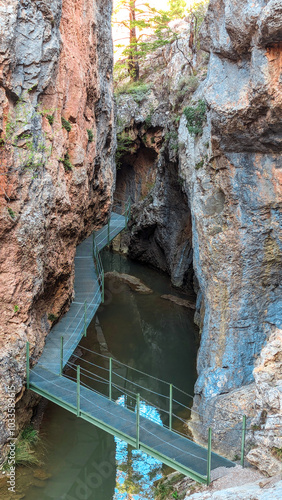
(57, 174)
(235, 200)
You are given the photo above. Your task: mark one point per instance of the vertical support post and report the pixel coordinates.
(103, 287)
(137, 421)
(78, 391)
(85, 318)
(170, 407)
(209, 457)
(108, 231)
(110, 378)
(243, 440)
(62, 356)
(27, 365)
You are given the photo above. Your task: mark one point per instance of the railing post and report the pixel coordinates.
(78, 391)
(62, 356)
(209, 457)
(137, 421)
(27, 365)
(103, 287)
(108, 231)
(85, 318)
(243, 440)
(110, 378)
(170, 407)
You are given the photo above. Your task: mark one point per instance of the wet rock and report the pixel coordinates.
(42, 474)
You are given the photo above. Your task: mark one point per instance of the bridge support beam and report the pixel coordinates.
(137, 421)
(62, 356)
(110, 378)
(85, 318)
(78, 391)
(170, 407)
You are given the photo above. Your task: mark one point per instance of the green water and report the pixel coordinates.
(145, 332)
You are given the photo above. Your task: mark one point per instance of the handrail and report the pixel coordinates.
(99, 268)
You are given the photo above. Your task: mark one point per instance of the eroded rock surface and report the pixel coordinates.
(233, 176)
(56, 178)
(160, 233)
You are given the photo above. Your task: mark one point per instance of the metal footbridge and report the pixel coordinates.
(120, 408)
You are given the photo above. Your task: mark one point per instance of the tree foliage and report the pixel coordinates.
(149, 29)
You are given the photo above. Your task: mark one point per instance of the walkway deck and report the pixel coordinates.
(177, 452)
(86, 289)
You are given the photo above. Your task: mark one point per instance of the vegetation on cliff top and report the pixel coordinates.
(149, 29)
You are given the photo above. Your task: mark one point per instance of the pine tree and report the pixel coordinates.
(177, 9)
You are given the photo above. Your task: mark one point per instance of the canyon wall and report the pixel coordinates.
(233, 177)
(56, 167)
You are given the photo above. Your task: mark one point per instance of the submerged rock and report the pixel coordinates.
(179, 301)
(133, 282)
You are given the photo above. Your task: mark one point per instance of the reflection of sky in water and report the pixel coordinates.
(136, 471)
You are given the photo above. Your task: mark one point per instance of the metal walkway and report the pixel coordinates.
(47, 378)
(88, 295)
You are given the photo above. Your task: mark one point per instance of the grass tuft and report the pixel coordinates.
(66, 124)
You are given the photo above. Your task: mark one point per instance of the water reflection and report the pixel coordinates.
(136, 471)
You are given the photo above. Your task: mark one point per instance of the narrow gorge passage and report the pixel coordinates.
(81, 461)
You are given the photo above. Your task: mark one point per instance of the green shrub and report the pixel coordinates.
(66, 124)
(24, 448)
(200, 164)
(52, 317)
(187, 86)
(256, 427)
(195, 117)
(11, 213)
(16, 308)
(50, 119)
(148, 119)
(90, 135)
(67, 163)
(30, 435)
(138, 90)
(124, 145)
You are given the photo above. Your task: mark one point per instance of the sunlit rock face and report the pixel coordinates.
(56, 177)
(235, 201)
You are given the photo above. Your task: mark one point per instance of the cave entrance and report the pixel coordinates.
(160, 231)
